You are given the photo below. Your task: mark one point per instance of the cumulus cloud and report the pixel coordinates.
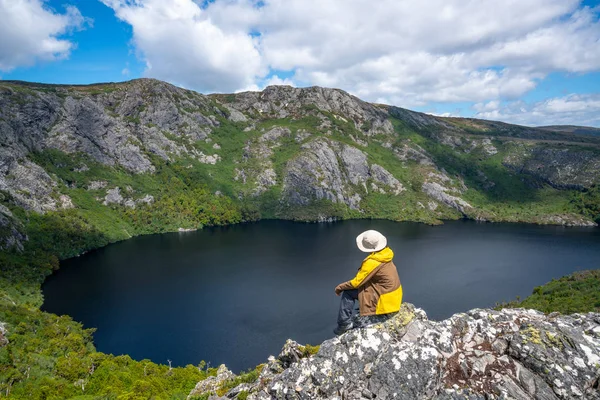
(30, 31)
(276, 80)
(180, 43)
(574, 109)
(407, 53)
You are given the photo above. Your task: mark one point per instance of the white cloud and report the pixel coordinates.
(407, 53)
(30, 32)
(276, 80)
(574, 109)
(181, 44)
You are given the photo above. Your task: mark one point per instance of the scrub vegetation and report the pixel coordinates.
(575, 293)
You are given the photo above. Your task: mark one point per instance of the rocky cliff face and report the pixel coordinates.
(115, 125)
(561, 168)
(336, 172)
(481, 354)
(279, 102)
(296, 147)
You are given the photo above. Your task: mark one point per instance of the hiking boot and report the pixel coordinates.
(342, 328)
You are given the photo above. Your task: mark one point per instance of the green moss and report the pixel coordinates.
(132, 119)
(532, 335)
(250, 376)
(308, 350)
(553, 340)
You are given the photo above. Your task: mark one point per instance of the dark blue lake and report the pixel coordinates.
(233, 295)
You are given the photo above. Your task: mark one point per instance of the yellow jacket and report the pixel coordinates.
(378, 284)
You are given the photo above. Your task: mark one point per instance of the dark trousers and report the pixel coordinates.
(347, 307)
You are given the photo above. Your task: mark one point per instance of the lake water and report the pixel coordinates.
(233, 295)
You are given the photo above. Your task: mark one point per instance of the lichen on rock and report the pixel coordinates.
(481, 354)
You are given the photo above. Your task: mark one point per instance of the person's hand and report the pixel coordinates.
(338, 291)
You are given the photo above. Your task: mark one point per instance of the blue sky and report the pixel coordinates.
(102, 50)
(533, 62)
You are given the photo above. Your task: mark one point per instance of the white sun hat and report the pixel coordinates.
(370, 241)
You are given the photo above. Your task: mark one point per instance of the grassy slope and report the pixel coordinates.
(575, 293)
(48, 354)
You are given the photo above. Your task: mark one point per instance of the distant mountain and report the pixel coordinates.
(295, 153)
(578, 130)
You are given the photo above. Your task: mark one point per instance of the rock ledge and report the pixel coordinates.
(481, 354)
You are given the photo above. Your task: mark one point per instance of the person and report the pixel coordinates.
(376, 286)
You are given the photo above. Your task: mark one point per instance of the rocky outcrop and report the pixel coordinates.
(114, 124)
(212, 383)
(481, 354)
(274, 134)
(28, 184)
(567, 220)
(114, 196)
(3, 334)
(303, 145)
(413, 152)
(441, 194)
(420, 120)
(11, 231)
(286, 101)
(316, 174)
(326, 169)
(563, 168)
(256, 166)
(382, 177)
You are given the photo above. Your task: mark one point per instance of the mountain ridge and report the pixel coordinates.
(558, 129)
(363, 160)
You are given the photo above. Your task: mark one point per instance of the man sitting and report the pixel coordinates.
(376, 286)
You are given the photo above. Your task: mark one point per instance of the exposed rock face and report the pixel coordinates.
(316, 173)
(284, 101)
(420, 120)
(326, 169)
(3, 333)
(568, 220)
(117, 126)
(484, 146)
(113, 196)
(561, 168)
(415, 153)
(382, 176)
(95, 185)
(303, 145)
(212, 383)
(28, 184)
(481, 354)
(256, 163)
(11, 231)
(440, 193)
(86, 127)
(274, 134)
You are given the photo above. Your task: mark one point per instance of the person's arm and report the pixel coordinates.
(355, 283)
(343, 286)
